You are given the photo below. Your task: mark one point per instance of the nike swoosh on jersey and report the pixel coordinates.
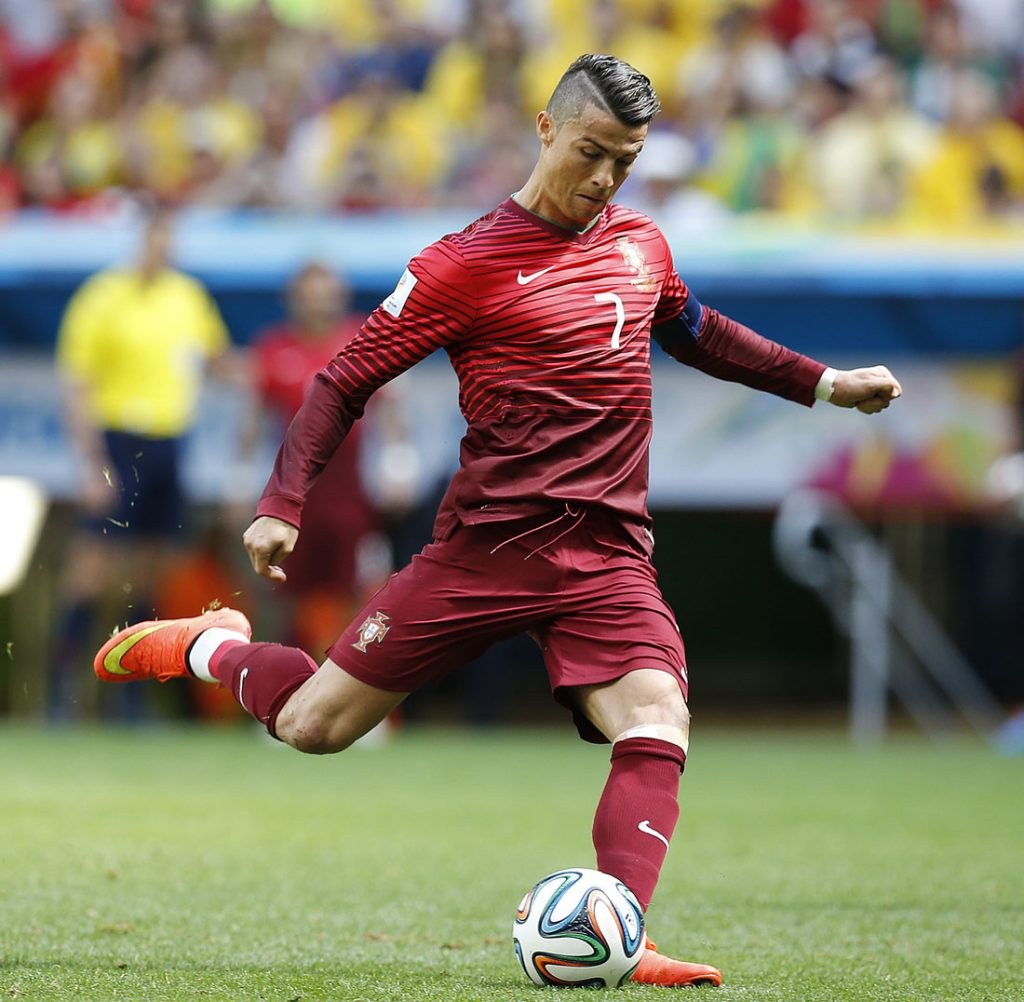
(526, 279)
(645, 827)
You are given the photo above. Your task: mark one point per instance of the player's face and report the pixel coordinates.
(583, 163)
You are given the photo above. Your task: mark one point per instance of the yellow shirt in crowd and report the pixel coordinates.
(140, 349)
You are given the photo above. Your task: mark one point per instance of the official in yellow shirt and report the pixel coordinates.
(133, 348)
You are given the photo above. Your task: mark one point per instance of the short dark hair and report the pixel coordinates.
(608, 82)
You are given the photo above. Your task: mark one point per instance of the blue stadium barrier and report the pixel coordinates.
(821, 293)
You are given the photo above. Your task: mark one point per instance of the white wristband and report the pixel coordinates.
(826, 385)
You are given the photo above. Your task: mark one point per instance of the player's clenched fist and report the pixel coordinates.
(870, 390)
(268, 541)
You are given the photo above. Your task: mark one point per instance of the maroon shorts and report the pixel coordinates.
(580, 583)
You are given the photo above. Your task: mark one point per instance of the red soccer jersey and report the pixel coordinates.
(548, 331)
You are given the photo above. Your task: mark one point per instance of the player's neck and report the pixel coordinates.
(523, 199)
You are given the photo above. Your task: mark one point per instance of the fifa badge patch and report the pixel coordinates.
(636, 263)
(394, 303)
(373, 631)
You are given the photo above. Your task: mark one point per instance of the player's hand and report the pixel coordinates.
(870, 390)
(268, 541)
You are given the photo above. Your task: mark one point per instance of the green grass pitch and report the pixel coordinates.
(213, 864)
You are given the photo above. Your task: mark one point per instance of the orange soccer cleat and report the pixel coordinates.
(158, 648)
(655, 969)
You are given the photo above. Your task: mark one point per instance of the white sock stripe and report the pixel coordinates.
(206, 646)
(663, 732)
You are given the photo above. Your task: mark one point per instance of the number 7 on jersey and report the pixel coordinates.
(620, 313)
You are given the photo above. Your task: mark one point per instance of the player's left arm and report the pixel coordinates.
(700, 336)
(718, 345)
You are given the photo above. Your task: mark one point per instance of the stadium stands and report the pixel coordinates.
(905, 110)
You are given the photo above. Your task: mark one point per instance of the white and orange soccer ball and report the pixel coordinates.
(579, 927)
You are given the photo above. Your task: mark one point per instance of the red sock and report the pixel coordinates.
(261, 676)
(638, 811)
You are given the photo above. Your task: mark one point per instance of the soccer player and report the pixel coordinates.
(546, 307)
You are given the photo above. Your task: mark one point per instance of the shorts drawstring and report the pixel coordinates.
(578, 514)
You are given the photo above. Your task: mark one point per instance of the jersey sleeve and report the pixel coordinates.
(432, 306)
(712, 342)
(715, 344)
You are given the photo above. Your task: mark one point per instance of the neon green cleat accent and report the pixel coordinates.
(112, 659)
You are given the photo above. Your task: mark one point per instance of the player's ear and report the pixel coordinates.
(545, 128)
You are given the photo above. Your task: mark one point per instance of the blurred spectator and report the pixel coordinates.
(346, 156)
(945, 53)
(995, 25)
(131, 351)
(264, 178)
(324, 586)
(740, 66)
(661, 185)
(73, 154)
(481, 64)
(977, 170)
(738, 88)
(865, 156)
(493, 159)
(187, 129)
(837, 44)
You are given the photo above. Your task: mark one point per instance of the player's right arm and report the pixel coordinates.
(432, 306)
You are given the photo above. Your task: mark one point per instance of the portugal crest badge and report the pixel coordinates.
(373, 631)
(637, 263)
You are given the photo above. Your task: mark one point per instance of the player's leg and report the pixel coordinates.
(430, 618)
(442, 610)
(643, 714)
(314, 710)
(332, 709)
(616, 658)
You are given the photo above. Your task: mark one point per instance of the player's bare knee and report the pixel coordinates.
(667, 708)
(311, 732)
(666, 718)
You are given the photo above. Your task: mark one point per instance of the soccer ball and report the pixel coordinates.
(579, 927)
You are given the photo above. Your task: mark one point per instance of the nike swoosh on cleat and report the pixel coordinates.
(526, 279)
(645, 827)
(241, 684)
(112, 662)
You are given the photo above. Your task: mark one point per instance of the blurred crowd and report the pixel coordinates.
(908, 110)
